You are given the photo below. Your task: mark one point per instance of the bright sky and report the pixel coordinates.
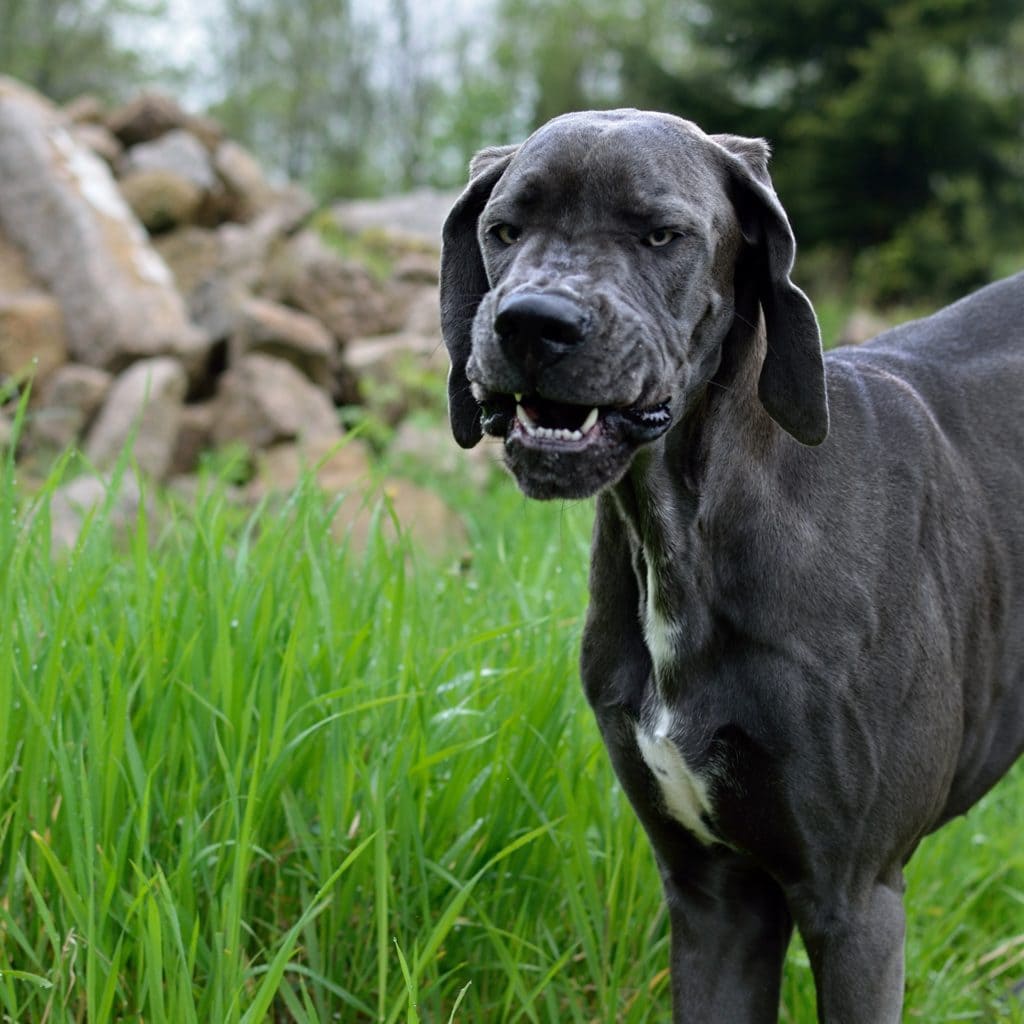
(182, 35)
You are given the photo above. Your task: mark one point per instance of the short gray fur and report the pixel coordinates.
(825, 554)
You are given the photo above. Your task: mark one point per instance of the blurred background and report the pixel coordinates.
(898, 127)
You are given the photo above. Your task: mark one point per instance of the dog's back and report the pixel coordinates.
(940, 403)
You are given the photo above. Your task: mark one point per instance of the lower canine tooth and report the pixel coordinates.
(589, 421)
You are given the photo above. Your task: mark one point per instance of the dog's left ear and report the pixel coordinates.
(463, 284)
(792, 382)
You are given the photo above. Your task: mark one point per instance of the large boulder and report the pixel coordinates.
(32, 337)
(32, 334)
(143, 408)
(60, 204)
(262, 401)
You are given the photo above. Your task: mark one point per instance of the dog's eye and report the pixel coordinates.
(507, 234)
(661, 237)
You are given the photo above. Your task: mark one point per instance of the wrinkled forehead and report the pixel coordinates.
(615, 162)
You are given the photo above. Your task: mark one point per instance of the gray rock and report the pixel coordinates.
(84, 109)
(32, 336)
(429, 444)
(60, 204)
(103, 142)
(161, 199)
(178, 152)
(362, 354)
(15, 275)
(424, 314)
(143, 407)
(307, 274)
(68, 401)
(336, 466)
(193, 255)
(262, 400)
(72, 503)
(276, 330)
(146, 117)
(418, 214)
(250, 194)
(195, 434)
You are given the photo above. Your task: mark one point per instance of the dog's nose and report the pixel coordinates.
(539, 328)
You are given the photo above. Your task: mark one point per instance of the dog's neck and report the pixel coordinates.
(679, 499)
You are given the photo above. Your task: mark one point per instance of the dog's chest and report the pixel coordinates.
(685, 792)
(660, 632)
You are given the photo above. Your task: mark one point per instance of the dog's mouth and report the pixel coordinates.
(539, 422)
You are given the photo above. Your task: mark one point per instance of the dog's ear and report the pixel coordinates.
(792, 382)
(463, 284)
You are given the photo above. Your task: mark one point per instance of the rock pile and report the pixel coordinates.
(156, 285)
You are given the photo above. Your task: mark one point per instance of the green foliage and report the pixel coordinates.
(68, 47)
(251, 774)
(294, 81)
(945, 249)
(897, 128)
(374, 249)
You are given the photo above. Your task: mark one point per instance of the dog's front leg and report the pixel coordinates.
(730, 924)
(855, 944)
(730, 932)
(729, 919)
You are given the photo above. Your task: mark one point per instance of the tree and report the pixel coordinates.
(295, 84)
(67, 47)
(897, 126)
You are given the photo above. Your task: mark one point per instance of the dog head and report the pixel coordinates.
(588, 282)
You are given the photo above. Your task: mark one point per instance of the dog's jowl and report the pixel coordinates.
(805, 640)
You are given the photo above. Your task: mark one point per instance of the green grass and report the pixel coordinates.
(249, 774)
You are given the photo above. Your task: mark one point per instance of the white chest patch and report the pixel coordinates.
(684, 791)
(660, 634)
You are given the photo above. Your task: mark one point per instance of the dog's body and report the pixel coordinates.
(804, 652)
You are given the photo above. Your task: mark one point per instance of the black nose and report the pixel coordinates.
(537, 329)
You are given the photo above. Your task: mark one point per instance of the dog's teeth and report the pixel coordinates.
(528, 425)
(518, 397)
(554, 433)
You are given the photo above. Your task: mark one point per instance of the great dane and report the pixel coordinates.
(805, 640)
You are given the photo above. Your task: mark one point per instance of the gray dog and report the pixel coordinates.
(805, 640)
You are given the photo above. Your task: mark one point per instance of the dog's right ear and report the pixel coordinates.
(464, 283)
